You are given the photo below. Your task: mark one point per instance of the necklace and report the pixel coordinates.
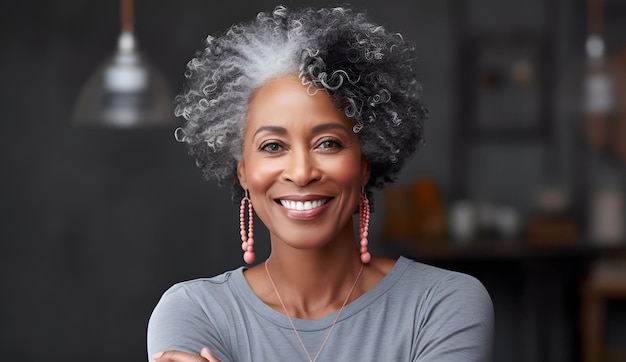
(291, 320)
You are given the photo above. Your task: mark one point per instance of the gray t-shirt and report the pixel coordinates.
(416, 312)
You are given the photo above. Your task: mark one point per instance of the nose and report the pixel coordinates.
(301, 168)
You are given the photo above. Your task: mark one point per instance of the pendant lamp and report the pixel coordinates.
(126, 91)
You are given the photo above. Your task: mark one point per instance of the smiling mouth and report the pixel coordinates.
(302, 205)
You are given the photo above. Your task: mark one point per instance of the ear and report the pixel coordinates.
(366, 170)
(241, 174)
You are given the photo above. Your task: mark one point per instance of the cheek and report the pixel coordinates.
(347, 171)
(261, 175)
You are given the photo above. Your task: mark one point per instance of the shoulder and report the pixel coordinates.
(440, 280)
(445, 290)
(202, 283)
(454, 314)
(201, 293)
(194, 314)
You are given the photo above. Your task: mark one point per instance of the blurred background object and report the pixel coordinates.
(126, 91)
(607, 210)
(463, 222)
(605, 283)
(618, 66)
(430, 213)
(552, 222)
(599, 92)
(511, 186)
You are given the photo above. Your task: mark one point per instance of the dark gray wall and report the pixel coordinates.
(96, 224)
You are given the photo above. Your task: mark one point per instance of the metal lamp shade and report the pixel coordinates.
(126, 91)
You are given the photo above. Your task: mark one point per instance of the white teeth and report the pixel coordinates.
(299, 205)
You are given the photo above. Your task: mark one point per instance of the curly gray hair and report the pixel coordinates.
(366, 70)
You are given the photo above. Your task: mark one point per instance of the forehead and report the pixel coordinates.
(285, 100)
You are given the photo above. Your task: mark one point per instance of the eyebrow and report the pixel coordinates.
(273, 129)
(325, 126)
(318, 128)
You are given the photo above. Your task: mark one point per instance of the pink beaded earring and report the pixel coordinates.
(247, 238)
(364, 222)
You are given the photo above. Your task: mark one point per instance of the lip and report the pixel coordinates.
(300, 213)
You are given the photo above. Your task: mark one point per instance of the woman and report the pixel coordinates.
(305, 113)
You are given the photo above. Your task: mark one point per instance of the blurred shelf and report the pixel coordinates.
(442, 250)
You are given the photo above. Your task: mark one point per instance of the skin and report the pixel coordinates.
(300, 148)
(178, 356)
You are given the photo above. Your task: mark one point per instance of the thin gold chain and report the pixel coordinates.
(269, 276)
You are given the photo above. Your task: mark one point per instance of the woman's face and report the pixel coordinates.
(302, 164)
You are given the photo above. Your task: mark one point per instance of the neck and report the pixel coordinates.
(313, 291)
(286, 311)
(325, 265)
(314, 283)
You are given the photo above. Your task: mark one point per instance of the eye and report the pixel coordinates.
(271, 147)
(330, 144)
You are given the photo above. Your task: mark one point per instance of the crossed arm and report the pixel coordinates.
(179, 356)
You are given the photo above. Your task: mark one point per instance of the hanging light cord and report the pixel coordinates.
(595, 14)
(127, 15)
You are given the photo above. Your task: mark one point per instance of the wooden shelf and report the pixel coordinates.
(443, 250)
